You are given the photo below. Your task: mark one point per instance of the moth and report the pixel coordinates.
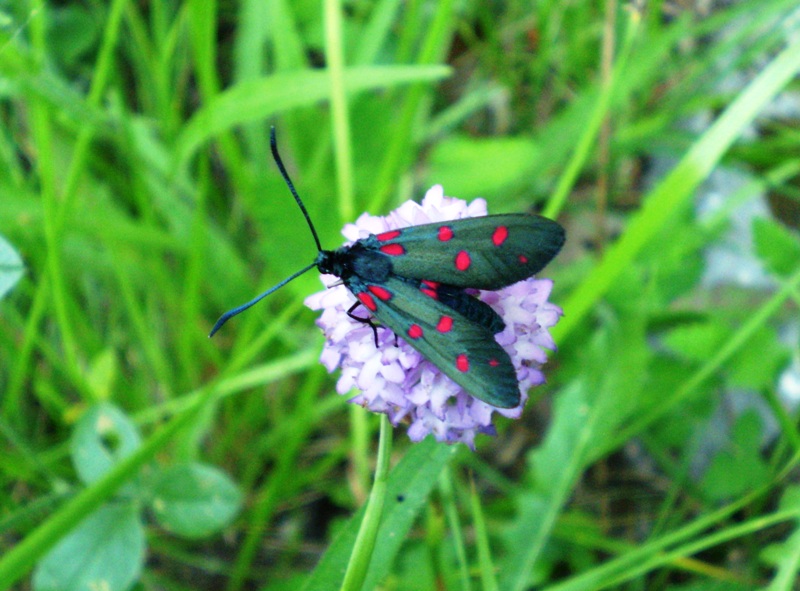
(414, 281)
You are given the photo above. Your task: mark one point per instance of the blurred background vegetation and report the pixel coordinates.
(138, 201)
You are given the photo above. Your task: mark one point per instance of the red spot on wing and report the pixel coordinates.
(463, 260)
(414, 331)
(445, 324)
(499, 235)
(430, 289)
(380, 292)
(390, 235)
(445, 233)
(394, 250)
(523, 259)
(494, 362)
(367, 300)
(462, 363)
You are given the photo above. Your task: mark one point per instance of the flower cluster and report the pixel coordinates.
(395, 379)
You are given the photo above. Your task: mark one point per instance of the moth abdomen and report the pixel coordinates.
(462, 302)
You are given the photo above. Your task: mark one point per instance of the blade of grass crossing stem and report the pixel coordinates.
(599, 576)
(672, 548)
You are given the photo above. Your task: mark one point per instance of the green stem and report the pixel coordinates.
(334, 54)
(451, 513)
(588, 141)
(368, 533)
(359, 453)
(402, 141)
(488, 579)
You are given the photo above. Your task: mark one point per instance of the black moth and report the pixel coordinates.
(413, 281)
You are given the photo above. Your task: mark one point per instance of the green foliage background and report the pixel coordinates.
(137, 187)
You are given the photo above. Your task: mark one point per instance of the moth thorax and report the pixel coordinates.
(370, 265)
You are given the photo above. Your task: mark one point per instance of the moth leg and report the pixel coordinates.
(367, 320)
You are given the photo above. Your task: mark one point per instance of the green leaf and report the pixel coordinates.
(678, 425)
(698, 341)
(106, 551)
(785, 556)
(701, 341)
(674, 262)
(414, 569)
(103, 436)
(776, 246)
(758, 365)
(10, 267)
(555, 467)
(73, 33)
(470, 167)
(790, 501)
(739, 468)
(410, 483)
(195, 500)
(102, 375)
(255, 100)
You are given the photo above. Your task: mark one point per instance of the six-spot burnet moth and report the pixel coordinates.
(414, 281)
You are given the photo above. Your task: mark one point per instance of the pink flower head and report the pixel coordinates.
(399, 381)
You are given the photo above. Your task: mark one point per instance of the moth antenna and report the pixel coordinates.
(273, 144)
(239, 309)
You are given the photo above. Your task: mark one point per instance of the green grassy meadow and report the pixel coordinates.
(139, 200)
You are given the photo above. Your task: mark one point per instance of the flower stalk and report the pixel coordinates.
(368, 533)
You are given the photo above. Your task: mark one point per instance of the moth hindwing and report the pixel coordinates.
(465, 350)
